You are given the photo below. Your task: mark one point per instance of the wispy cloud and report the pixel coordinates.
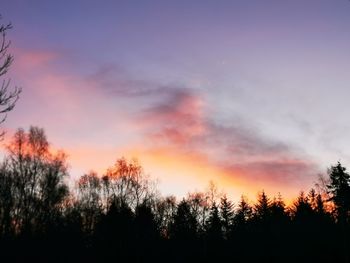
(109, 113)
(179, 118)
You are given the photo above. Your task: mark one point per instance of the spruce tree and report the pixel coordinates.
(339, 189)
(227, 214)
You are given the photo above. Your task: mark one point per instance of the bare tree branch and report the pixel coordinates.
(8, 97)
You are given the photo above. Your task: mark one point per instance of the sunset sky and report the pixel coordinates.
(250, 94)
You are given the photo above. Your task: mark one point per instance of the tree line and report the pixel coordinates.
(120, 216)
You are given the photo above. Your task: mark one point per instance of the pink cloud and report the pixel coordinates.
(178, 119)
(32, 60)
(182, 121)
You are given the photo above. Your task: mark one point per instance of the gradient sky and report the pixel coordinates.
(250, 94)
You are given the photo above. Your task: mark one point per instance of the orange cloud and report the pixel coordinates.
(180, 172)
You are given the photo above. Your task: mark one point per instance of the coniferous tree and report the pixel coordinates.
(185, 225)
(117, 217)
(279, 225)
(278, 209)
(339, 188)
(319, 205)
(227, 215)
(262, 207)
(146, 233)
(214, 224)
(243, 213)
(114, 233)
(312, 197)
(183, 233)
(214, 234)
(303, 211)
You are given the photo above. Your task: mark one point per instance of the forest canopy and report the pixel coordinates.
(120, 215)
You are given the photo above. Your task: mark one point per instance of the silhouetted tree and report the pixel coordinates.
(303, 211)
(339, 189)
(319, 205)
(121, 217)
(72, 234)
(38, 179)
(242, 234)
(227, 215)
(33, 194)
(185, 224)
(165, 210)
(8, 97)
(127, 182)
(200, 207)
(89, 201)
(214, 224)
(278, 209)
(262, 207)
(243, 213)
(7, 186)
(183, 232)
(212, 193)
(114, 234)
(214, 234)
(147, 233)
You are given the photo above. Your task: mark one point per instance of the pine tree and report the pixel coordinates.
(243, 213)
(339, 188)
(214, 224)
(262, 208)
(319, 205)
(227, 214)
(185, 225)
(303, 211)
(278, 209)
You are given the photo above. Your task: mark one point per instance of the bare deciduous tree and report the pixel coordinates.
(8, 97)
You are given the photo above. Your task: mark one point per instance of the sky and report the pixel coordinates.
(252, 95)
